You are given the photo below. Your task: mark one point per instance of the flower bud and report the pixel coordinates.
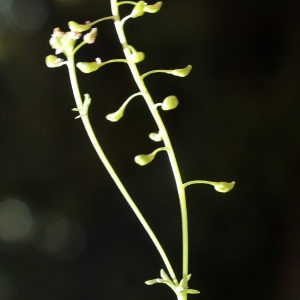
(116, 116)
(53, 61)
(191, 291)
(224, 187)
(156, 137)
(144, 159)
(78, 27)
(151, 282)
(91, 36)
(137, 57)
(169, 103)
(86, 67)
(182, 72)
(153, 8)
(138, 10)
(164, 275)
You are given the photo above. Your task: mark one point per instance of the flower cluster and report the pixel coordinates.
(64, 42)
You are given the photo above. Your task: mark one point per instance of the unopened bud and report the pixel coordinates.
(116, 116)
(169, 103)
(224, 187)
(88, 67)
(144, 159)
(91, 36)
(182, 72)
(78, 27)
(138, 10)
(53, 61)
(191, 291)
(156, 137)
(153, 8)
(151, 282)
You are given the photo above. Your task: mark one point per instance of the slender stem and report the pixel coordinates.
(159, 149)
(181, 192)
(91, 135)
(199, 181)
(102, 19)
(129, 99)
(126, 2)
(78, 47)
(156, 71)
(114, 61)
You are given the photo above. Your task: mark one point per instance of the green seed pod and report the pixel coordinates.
(153, 8)
(138, 10)
(182, 72)
(53, 61)
(86, 67)
(137, 57)
(143, 159)
(224, 187)
(156, 137)
(116, 116)
(78, 27)
(169, 103)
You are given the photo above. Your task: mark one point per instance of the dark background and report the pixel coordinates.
(65, 230)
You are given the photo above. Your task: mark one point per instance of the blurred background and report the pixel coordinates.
(65, 230)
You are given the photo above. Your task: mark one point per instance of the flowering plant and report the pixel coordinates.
(65, 43)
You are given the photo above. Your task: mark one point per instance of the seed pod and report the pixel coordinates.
(169, 103)
(86, 67)
(78, 27)
(182, 72)
(144, 159)
(224, 187)
(116, 116)
(153, 8)
(138, 10)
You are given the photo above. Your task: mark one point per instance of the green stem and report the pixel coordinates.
(126, 2)
(94, 141)
(180, 189)
(129, 99)
(102, 19)
(156, 71)
(199, 181)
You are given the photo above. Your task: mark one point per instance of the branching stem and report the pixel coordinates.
(103, 158)
(180, 189)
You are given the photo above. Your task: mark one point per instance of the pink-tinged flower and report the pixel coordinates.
(63, 42)
(91, 36)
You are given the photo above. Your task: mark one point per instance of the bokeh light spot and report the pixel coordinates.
(4, 5)
(65, 239)
(28, 16)
(15, 220)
